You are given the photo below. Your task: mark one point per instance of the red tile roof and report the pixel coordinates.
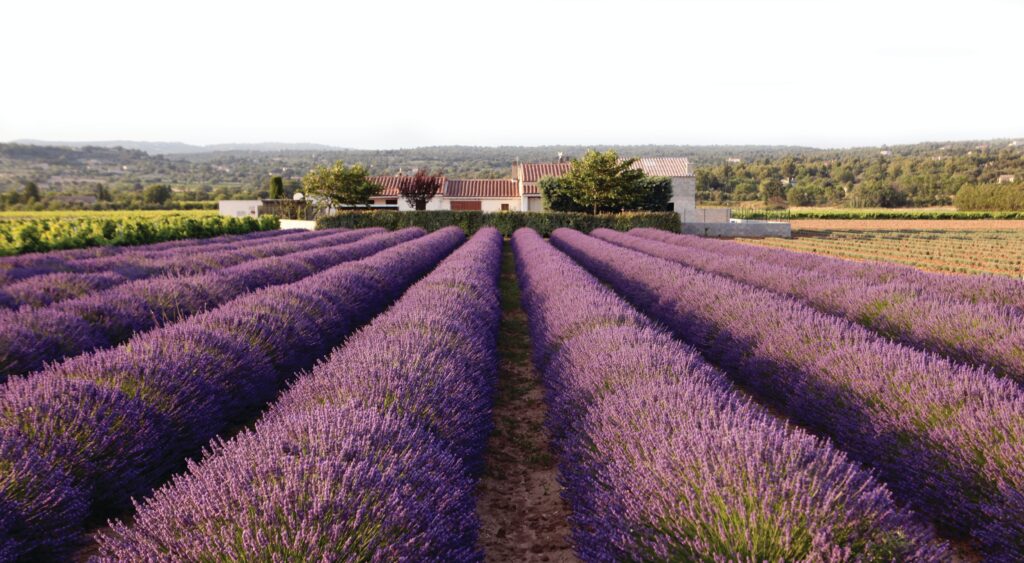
(482, 188)
(531, 172)
(664, 166)
(389, 184)
(454, 188)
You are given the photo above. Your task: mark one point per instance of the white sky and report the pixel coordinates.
(386, 74)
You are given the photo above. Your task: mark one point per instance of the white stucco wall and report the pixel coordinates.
(684, 193)
(492, 205)
(239, 207)
(436, 203)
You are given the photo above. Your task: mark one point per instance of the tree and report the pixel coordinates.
(31, 192)
(876, 194)
(276, 187)
(340, 184)
(789, 169)
(157, 194)
(603, 180)
(418, 189)
(772, 192)
(650, 193)
(556, 195)
(102, 193)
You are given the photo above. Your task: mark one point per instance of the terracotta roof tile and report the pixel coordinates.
(533, 171)
(389, 184)
(482, 188)
(664, 166)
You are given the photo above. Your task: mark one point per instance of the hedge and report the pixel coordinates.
(1004, 197)
(506, 221)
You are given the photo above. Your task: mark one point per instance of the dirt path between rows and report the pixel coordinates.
(523, 517)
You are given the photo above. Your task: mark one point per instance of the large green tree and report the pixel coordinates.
(601, 181)
(340, 184)
(158, 194)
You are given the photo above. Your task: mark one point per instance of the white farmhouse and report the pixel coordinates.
(521, 192)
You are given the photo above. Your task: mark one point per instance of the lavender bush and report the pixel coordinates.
(368, 458)
(662, 459)
(23, 266)
(117, 421)
(997, 290)
(96, 275)
(946, 437)
(29, 338)
(911, 312)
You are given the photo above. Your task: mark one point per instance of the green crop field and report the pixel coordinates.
(39, 231)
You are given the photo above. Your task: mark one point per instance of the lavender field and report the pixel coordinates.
(374, 395)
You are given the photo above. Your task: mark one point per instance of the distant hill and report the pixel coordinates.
(160, 148)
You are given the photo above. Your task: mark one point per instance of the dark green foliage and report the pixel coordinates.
(41, 235)
(31, 191)
(157, 194)
(276, 187)
(556, 195)
(602, 183)
(877, 194)
(102, 193)
(506, 222)
(339, 184)
(652, 193)
(991, 197)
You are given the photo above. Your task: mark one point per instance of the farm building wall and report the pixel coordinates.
(739, 228)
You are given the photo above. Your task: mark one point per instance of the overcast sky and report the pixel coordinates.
(387, 74)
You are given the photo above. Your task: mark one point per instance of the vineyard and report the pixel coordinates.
(965, 247)
(377, 395)
(22, 232)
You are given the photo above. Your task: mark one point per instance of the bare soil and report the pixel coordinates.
(906, 224)
(522, 514)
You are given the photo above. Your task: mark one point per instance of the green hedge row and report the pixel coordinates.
(991, 196)
(39, 235)
(506, 221)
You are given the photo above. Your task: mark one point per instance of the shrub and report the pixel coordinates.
(991, 197)
(506, 221)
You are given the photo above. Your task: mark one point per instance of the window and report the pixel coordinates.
(466, 205)
(504, 207)
(390, 202)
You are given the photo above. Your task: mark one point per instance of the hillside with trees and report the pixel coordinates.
(93, 177)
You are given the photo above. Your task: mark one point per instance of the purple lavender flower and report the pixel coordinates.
(947, 438)
(118, 421)
(940, 317)
(663, 459)
(370, 457)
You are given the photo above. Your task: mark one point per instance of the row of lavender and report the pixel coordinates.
(932, 317)
(662, 459)
(998, 290)
(371, 457)
(30, 338)
(945, 437)
(13, 268)
(95, 275)
(82, 437)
